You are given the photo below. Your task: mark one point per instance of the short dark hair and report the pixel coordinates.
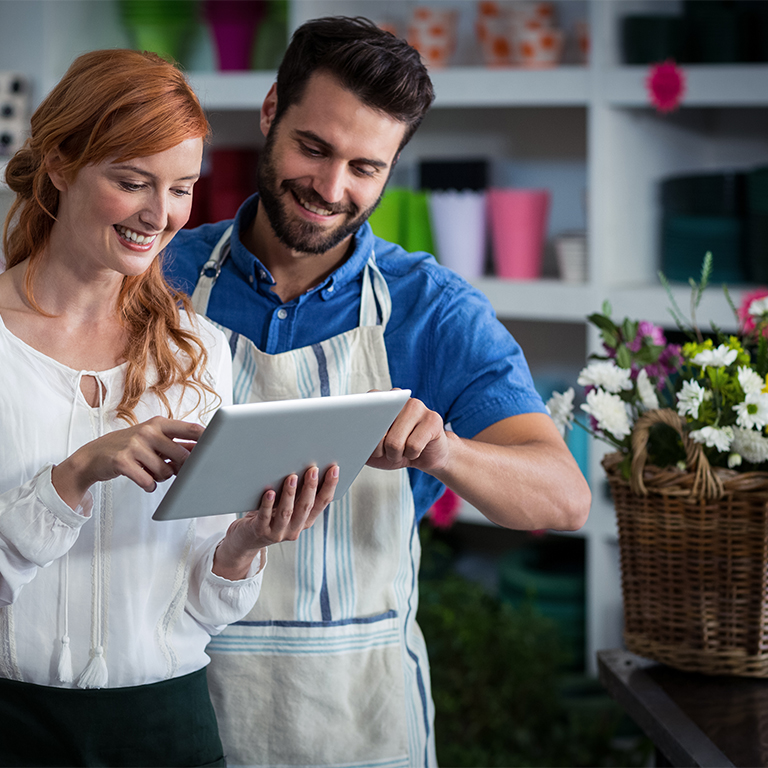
(383, 71)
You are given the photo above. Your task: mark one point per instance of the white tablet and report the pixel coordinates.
(248, 448)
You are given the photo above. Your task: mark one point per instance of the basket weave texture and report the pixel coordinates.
(694, 558)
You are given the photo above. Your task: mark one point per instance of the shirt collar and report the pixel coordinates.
(249, 264)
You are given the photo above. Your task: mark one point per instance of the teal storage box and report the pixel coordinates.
(686, 240)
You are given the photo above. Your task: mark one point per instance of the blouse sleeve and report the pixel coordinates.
(36, 528)
(215, 601)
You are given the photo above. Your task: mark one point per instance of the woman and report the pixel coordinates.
(105, 613)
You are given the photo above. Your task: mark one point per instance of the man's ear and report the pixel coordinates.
(53, 164)
(268, 110)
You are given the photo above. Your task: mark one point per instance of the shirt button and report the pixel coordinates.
(282, 313)
(263, 274)
(251, 279)
(330, 289)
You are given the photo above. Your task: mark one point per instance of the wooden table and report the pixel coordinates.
(692, 719)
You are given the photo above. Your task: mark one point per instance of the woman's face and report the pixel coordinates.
(119, 216)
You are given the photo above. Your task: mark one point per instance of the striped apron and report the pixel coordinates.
(330, 668)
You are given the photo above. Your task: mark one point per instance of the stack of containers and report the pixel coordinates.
(549, 573)
(524, 33)
(233, 25)
(402, 217)
(432, 32)
(14, 112)
(457, 211)
(757, 225)
(700, 213)
(165, 27)
(697, 31)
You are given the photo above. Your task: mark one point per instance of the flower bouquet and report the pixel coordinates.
(717, 385)
(689, 480)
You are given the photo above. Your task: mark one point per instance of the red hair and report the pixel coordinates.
(111, 105)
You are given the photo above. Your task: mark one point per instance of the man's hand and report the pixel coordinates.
(416, 439)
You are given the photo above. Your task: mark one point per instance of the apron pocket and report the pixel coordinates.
(339, 685)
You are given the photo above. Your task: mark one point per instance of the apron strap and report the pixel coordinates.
(375, 301)
(210, 273)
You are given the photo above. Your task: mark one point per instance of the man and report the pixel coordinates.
(330, 668)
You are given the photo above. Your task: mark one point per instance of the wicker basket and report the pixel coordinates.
(694, 559)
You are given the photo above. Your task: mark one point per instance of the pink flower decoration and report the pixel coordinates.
(747, 323)
(666, 86)
(445, 510)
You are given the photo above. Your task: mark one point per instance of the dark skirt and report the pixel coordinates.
(170, 723)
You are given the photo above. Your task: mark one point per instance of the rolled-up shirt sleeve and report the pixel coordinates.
(36, 528)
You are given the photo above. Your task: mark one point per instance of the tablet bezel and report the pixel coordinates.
(250, 447)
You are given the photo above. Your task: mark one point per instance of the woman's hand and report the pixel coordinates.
(146, 453)
(274, 521)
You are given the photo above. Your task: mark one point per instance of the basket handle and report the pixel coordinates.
(706, 483)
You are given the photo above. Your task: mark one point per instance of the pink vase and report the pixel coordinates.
(234, 24)
(518, 223)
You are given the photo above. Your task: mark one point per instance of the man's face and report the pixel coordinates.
(325, 165)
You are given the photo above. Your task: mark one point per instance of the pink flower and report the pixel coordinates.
(445, 510)
(747, 321)
(666, 86)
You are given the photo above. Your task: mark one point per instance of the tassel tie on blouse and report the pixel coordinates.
(95, 674)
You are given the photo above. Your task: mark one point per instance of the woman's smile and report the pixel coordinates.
(135, 239)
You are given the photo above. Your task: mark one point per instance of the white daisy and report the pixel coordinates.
(751, 445)
(560, 407)
(753, 411)
(715, 358)
(610, 411)
(690, 398)
(647, 391)
(759, 307)
(749, 380)
(714, 437)
(606, 375)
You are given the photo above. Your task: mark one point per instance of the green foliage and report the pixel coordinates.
(761, 356)
(665, 448)
(497, 685)
(697, 292)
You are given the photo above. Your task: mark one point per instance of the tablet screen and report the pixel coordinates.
(251, 447)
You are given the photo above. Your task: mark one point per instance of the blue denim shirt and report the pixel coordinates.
(443, 340)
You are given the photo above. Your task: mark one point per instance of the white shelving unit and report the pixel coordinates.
(596, 118)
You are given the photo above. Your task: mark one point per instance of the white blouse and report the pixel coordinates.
(105, 579)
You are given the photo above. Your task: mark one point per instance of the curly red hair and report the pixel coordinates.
(112, 105)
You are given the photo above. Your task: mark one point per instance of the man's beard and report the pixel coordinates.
(298, 235)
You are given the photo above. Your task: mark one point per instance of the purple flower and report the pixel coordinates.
(648, 330)
(671, 358)
(668, 362)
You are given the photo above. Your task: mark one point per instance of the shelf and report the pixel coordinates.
(733, 85)
(231, 90)
(454, 87)
(556, 301)
(744, 85)
(550, 300)
(511, 87)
